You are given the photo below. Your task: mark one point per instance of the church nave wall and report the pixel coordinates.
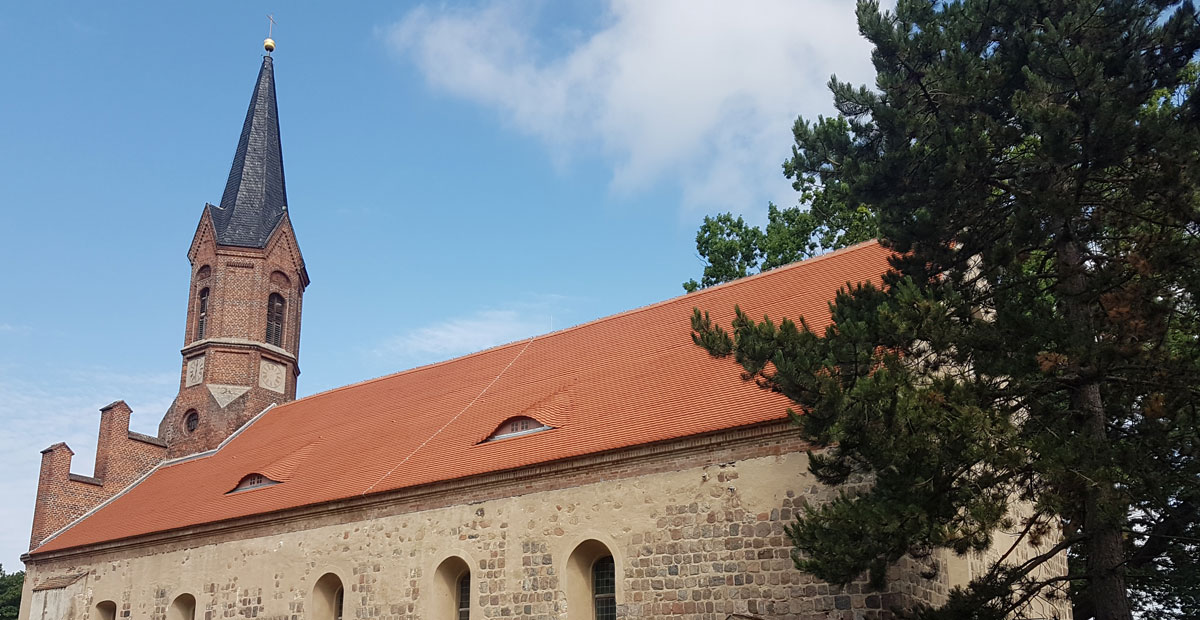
(699, 535)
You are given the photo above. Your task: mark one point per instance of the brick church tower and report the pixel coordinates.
(242, 334)
(241, 339)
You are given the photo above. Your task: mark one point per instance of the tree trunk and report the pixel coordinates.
(1105, 544)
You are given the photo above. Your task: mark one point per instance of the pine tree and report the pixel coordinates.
(1032, 364)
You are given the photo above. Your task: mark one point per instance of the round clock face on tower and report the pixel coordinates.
(270, 376)
(195, 371)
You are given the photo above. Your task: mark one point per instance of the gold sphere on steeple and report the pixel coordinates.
(269, 44)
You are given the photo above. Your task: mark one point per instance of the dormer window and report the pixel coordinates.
(253, 481)
(275, 319)
(515, 427)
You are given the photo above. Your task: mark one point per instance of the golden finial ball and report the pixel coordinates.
(269, 44)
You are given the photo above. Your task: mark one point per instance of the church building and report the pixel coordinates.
(608, 470)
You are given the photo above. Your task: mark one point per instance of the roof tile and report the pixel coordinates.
(629, 379)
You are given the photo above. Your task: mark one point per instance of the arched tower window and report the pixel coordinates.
(275, 307)
(191, 421)
(202, 313)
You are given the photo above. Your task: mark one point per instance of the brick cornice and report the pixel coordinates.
(238, 343)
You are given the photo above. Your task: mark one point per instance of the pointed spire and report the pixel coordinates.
(255, 197)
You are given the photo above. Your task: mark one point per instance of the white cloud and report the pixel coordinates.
(478, 330)
(697, 93)
(467, 334)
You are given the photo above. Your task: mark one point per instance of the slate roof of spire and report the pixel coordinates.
(255, 197)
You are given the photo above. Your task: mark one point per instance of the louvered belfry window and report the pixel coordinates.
(604, 588)
(275, 319)
(202, 314)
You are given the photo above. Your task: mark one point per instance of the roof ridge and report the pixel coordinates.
(702, 292)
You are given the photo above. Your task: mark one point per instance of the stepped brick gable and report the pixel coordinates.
(122, 457)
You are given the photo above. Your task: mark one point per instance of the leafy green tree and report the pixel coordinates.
(10, 593)
(731, 248)
(1032, 363)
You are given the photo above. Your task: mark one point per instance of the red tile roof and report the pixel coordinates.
(624, 380)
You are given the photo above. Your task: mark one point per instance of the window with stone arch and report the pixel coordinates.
(201, 313)
(328, 599)
(451, 590)
(182, 608)
(106, 610)
(275, 307)
(591, 578)
(191, 421)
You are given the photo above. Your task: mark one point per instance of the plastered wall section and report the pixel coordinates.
(1013, 547)
(689, 539)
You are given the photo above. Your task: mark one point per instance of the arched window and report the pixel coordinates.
(604, 588)
(591, 582)
(329, 599)
(464, 596)
(275, 319)
(184, 608)
(202, 313)
(106, 610)
(191, 421)
(451, 591)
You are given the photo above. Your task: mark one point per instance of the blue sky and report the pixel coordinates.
(459, 176)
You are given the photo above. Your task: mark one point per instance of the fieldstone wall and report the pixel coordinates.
(697, 534)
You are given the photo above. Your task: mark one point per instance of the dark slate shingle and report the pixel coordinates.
(255, 195)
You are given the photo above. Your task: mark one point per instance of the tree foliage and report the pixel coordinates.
(731, 248)
(10, 594)
(1032, 364)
